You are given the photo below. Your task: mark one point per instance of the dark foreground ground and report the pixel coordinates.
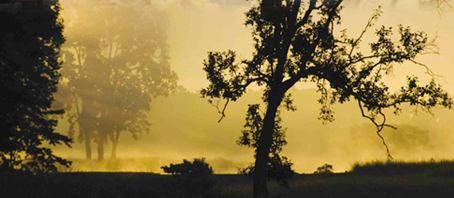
(132, 185)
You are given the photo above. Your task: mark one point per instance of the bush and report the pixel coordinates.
(197, 168)
(193, 180)
(325, 169)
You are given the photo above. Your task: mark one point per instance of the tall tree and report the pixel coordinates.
(115, 65)
(296, 42)
(29, 73)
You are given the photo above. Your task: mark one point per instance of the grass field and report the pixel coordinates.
(375, 179)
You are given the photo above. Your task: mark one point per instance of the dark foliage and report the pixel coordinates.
(193, 179)
(325, 169)
(29, 73)
(196, 168)
(430, 167)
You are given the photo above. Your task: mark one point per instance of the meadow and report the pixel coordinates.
(373, 179)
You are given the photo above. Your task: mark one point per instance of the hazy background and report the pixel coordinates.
(185, 125)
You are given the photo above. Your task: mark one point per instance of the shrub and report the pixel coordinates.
(325, 169)
(430, 167)
(197, 168)
(193, 180)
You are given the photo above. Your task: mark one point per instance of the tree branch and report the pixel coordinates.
(307, 14)
(301, 74)
(379, 127)
(311, 71)
(368, 25)
(222, 112)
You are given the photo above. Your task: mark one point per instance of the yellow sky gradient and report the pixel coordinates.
(217, 25)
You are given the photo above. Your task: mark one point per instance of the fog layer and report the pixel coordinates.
(185, 126)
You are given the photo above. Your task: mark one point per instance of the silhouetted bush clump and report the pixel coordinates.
(197, 168)
(194, 179)
(325, 169)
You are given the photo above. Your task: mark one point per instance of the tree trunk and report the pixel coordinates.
(87, 146)
(100, 148)
(114, 145)
(114, 150)
(264, 146)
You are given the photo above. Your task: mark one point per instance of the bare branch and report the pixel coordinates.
(369, 24)
(222, 112)
(379, 127)
(440, 3)
(428, 70)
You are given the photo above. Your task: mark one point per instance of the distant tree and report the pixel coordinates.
(115, 65)
(296, 42)
(29, 72)
(325, 169)
(193, 169)
(279, 168)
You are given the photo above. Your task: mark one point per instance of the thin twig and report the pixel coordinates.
(222, 112)
(379, 127)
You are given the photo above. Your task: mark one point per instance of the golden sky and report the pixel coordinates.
(217, 25)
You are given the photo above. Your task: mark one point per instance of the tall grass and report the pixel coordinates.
(430, 167)
(425, 178)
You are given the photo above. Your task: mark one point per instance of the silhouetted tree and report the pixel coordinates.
(29, 72)
(295, 42)
(115, 65)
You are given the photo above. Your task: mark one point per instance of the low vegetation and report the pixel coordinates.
(325, 169)
(428, 167)
(374, 179)
(197, 168)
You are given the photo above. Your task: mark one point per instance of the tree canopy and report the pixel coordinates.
(29, 73)
(295, 42)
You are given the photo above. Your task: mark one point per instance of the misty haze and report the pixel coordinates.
(183, 125)
(157, 86)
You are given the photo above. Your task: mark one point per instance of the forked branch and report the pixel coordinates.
(379, 127)
(220, 111)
